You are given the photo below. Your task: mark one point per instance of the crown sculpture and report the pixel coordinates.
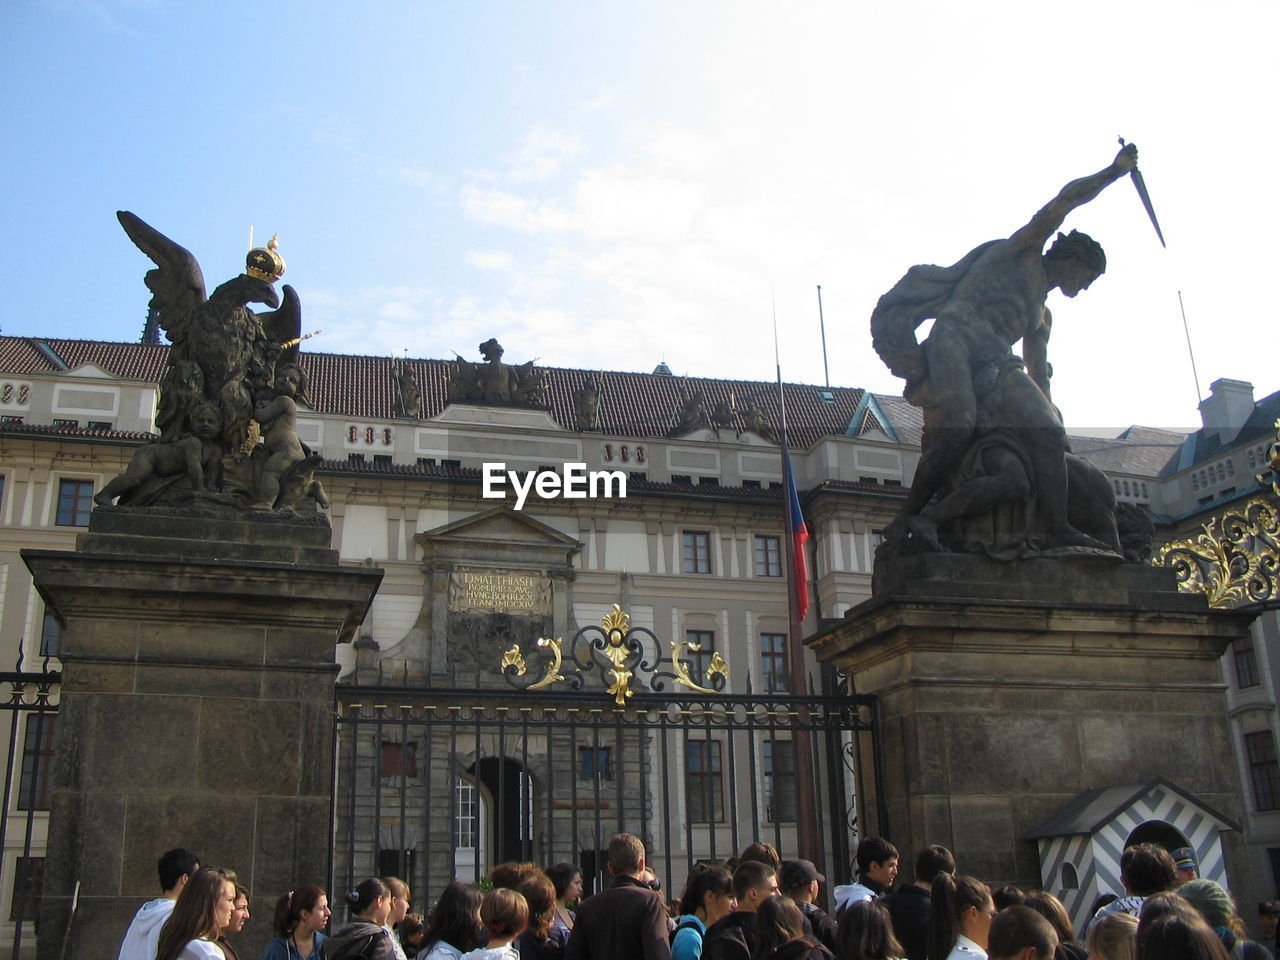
(227, 412)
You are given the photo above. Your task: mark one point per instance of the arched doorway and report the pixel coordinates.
(505, 813)
(1160, 832)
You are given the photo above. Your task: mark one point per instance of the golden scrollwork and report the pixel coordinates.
(615, 625)
(718, 666)
(616, 621)
(616, 651)
(552, 673)
(514, 658)
(1235, 558)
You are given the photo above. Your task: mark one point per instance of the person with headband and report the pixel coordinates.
(364, 935)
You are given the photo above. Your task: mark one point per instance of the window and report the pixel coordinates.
(773, 662)
(768, 557)
(594, 763)
(779, 781)
(10, 418)
(682, 478)
(99, 424)
(1264, 771)
(355, 458)
(467, 820)
(451, 463)
(27, 884)
(66, 424)
(399, 759)
(1246, 663)
(704, 781)
(397, 863)
(382, 459)
(699, 659)
(37, 761)
(639, 476)
(695, 556)
(75, 501)
(1070, 879)
(51, 636)
(426, 461)
(708, 481)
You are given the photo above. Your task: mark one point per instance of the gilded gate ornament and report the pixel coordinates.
(1235, 559)
(618, 653)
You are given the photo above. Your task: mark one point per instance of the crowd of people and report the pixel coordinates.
(751, 907)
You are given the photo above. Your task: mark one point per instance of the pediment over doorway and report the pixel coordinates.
(499, 535)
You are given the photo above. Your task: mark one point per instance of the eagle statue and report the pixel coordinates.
(224, 359)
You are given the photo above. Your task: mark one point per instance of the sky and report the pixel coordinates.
(607, 185)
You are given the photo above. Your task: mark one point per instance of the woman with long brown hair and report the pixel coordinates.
(202, 912)
(780, 933)
(542, 939)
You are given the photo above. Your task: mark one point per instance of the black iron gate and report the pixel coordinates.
(28, 701)
(433, 784)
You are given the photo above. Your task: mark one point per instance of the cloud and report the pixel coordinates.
(489, 259)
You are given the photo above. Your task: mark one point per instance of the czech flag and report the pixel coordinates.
(799, 564)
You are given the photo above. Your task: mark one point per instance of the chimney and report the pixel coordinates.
(1228, 406)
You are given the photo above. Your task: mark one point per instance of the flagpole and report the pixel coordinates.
(807, 835)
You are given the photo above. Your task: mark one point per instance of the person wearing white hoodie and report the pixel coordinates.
(140, 940)
(877, 869)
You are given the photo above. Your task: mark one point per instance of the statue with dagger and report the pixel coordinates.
(996, 474)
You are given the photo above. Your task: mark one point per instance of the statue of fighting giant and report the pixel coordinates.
(996, 474)
(226, 366)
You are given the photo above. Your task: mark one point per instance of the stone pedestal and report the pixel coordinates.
(1006, 689)
(196, 709)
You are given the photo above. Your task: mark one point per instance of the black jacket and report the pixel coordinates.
(360, 940)
(731, 938)
(909, 911)
(804, 949)
(821, 925)
(628, 921)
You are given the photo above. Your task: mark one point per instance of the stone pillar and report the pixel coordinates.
(196, 709)
(1005, 689)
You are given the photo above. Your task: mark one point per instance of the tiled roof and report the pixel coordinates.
(1140, 451)
(631, 404)
(907, 421)
(78, 433)
(1259, 426)
(129, 361)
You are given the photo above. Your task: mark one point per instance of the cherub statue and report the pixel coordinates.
(197, 454)
(277, 413)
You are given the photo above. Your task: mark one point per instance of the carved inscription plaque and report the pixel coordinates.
(487, 590)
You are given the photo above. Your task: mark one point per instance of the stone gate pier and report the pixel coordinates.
(1006, 689)
(196, 708)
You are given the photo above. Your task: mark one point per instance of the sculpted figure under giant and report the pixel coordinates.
(229, 370)
(996, 474)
